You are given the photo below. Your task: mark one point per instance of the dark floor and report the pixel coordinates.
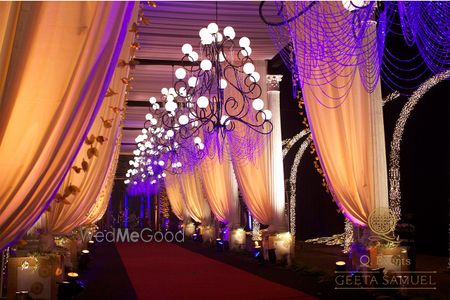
(106, 277)
(312, 273)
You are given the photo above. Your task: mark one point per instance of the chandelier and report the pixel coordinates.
(161, 150)
(216, 89)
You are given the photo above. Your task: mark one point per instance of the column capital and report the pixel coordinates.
(273, 82)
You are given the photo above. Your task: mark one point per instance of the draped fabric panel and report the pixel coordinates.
(175, 196)
(63, 218)
(220, 187)
(347, 126)
(261, 180)
(196, 203)
(350, 144)
(54, 85)
(100, 205)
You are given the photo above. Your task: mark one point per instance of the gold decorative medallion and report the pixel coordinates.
(382, 222)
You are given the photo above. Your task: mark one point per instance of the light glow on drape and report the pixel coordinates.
(100, 205)
(261, 180)
(175, 195)
(196, 203)
(347, 127)
(55, 81)
(220, 187)
(63, 218)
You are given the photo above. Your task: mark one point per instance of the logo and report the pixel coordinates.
(382, 222)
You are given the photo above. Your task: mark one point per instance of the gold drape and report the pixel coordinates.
(101, 203)
(53, 84)
(261, 180)
(220, 188)
(63, 218)
(349, 136)
(175, 196)
(196, 203)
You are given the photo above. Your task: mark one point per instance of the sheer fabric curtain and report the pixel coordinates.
(220, 187)
(175, 195)
(53, 86)
(196, 203)
(100, 206)
(261, 180)
(62, 217)
(349, 137)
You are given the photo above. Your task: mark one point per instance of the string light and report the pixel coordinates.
(293, 183)
(394, 157)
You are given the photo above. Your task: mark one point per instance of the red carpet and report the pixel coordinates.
(167, 271)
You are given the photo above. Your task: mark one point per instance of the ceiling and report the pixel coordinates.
(173, 24)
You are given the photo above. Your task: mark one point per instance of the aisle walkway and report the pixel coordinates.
(168, 271)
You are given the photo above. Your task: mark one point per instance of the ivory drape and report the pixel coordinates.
(346, 120)
(196, 203)
(63, 218)
(54, 85)
(101, 203)
(220, 187)
(175, 196)
(261, 180)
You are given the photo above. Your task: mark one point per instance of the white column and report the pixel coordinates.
(276, 153)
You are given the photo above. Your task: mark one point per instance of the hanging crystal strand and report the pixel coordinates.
(348, 235)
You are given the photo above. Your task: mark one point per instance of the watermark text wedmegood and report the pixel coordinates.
(124, 235)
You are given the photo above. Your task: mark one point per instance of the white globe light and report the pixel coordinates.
(197, 140)
(208, 39)
(170, 133)
(255, 77)
(164, 91)
(183, 119)
(192, 82)
(351, 5)
(152, 100)
(213, 28)
(223, 84)
(247, 51)
(161, 163)
(219, 37)
(193, 56)
(172, 91)
(268, 114)
(144, 130)
(171, 106)
(201, 146)
(180, 73)
(229, 32)
(221, 57)
(203, 33)
(258, 104)
(202, 102)
(206, 65)
(244, 42)
(182, 91)
(155, 106)
(224, 120)
(249, 68)
(148, 117)
(170, 98)
(153, 121)
(186, 49)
